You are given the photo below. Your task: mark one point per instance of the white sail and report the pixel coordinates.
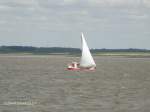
(86, 59)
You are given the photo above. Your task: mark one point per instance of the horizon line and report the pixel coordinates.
(73, 47)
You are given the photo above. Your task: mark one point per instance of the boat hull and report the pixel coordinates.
(81, 69)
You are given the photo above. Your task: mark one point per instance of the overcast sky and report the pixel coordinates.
(105, 23)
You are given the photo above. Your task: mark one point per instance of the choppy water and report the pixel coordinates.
(42, 84)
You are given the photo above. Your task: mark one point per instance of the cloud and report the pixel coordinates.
(71, 14)
(70, 2)
(77, 3)
(114, 3)
(138, 17)
(5, 8)
(146, 3)
(15, 3)
(111, 19)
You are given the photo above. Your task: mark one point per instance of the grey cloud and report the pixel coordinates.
(121, 18)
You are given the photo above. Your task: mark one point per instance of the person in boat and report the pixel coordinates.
(73, 65)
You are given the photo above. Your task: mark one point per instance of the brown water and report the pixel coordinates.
(42, 84)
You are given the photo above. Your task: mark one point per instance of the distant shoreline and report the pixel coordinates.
(75, 52)
(101, 54)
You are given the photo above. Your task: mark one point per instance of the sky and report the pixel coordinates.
(59, 23)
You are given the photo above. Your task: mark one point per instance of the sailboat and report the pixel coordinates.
(86, 62)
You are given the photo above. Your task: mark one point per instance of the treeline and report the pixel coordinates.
(30, 49)
(120, 50)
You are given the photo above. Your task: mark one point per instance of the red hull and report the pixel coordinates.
(81, 69)
(75, 67)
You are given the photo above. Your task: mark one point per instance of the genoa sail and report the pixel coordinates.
(86, 58)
